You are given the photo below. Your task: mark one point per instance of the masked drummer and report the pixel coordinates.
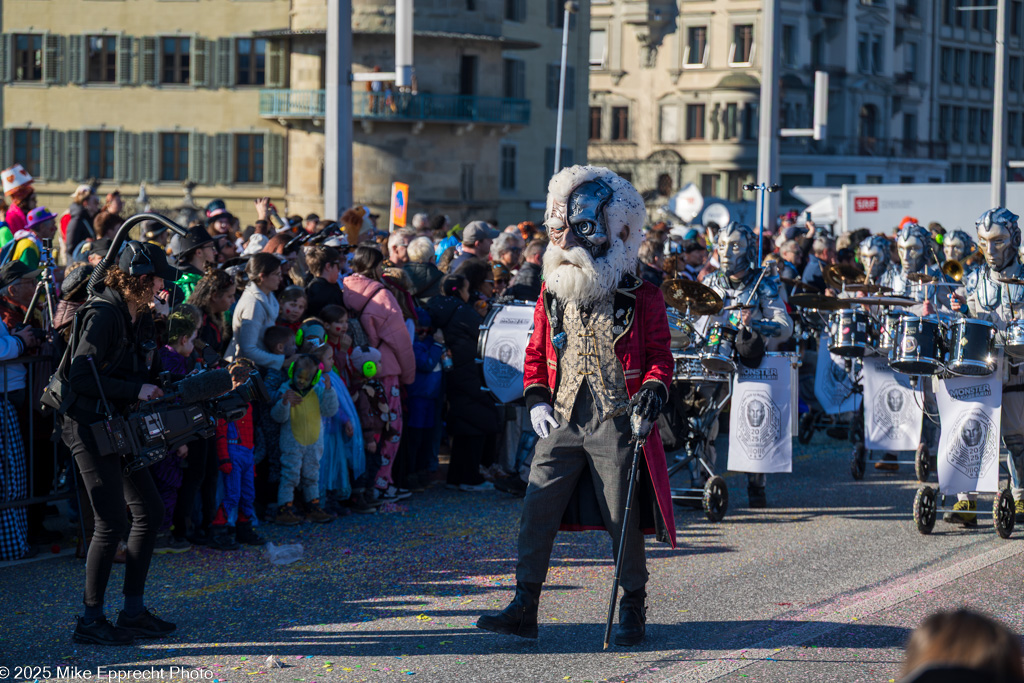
(913, 246)
(739, 281)
(999, 239)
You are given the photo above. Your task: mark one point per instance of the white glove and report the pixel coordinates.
(543, 419)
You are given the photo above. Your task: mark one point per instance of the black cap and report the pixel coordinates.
(154, 229)
(150, 257)
(196, 237)
(13, 271)
(312, 217)
(750, 347)
(100, 246)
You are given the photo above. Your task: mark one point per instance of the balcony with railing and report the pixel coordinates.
(888, 148)
(398, 106)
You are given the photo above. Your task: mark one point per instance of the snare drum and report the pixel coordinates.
(719, 354)
(851, 333)
(501, 347)
(1015, 339)
(917, 346)
(680, 330)
(970, 347)
(689, 368)
(887, 334)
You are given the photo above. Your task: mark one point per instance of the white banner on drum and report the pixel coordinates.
(760, 421)
(508, 332)
(893, 412)
(969, 411)
(833, 386)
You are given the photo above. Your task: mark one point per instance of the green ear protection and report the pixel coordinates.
(319, 372)
(298, 337)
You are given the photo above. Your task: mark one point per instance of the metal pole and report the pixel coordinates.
(338, 114)
(768, 126)
(998, 115)
(561, 86)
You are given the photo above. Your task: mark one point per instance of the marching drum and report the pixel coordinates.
(1015, 340)
(501, 347)
(970, 347)
(690, 368)
(851, 333)
(917, 346)
(719, 354)
(680, 329)
(887, 333)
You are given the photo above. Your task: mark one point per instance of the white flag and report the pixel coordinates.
(833, 385)
(969, 412)
(760, 421)
(893, 409)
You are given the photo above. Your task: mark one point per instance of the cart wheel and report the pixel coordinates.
(806, 427)
(922, 463)
(924, 509)
(1003, 513)
(857, 464)
(716, 499)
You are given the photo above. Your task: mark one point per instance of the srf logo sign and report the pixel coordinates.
(865, 204)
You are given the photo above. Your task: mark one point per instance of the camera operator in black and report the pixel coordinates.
(116, 329)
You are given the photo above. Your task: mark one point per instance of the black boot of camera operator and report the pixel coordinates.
(520, 617)
(757, 497)
(632, 618)
(101, 632)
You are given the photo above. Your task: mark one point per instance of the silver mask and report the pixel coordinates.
(737, 248)
(957, 246)
(998, 238)
(874, 256)
(585, 226)
(912, 247)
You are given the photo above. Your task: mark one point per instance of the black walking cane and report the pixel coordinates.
(641, 428)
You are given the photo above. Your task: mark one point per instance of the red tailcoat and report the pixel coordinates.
(642, 346)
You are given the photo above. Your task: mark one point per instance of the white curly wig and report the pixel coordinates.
(573, 274)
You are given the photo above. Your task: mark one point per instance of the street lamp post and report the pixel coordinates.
(570, 8)
(338, 110)
(998, 115)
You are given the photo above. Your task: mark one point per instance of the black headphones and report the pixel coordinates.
(140, 263)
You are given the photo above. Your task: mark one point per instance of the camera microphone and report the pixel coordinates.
(203, 387)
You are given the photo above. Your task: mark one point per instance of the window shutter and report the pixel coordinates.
(277, 65)
(125, 170)
(570, 87)
(52, 58)
(225, 62)
(74, 167)
(76, 59)
(124, 59)
(147, 61)
(6, 145)
(222, 154)
(50, 154)
(6, 58)
(199, 63)
(198, 158)
(273, 159)
(149, 159)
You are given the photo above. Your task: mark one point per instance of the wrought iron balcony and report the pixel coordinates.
(397, 106)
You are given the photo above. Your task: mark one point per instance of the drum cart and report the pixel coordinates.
(713, 498)
(929, 504)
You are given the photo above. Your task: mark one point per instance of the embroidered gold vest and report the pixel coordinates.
(589, 356)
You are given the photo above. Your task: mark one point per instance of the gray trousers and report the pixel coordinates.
(580, 442)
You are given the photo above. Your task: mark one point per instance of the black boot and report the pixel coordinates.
(244, 533)
(520, 617)
(223, 538)
(632, 618)
(757, 497)
(101, 632)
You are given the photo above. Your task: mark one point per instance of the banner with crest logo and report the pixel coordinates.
(833, 385)
(970, 412)
(893, 412)
(761, 417)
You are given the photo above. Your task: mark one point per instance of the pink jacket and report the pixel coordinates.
(382, 320)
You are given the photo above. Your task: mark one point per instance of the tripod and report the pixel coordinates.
(45, 287)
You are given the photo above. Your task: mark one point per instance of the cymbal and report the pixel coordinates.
(1010, 281)
(799, 284)
(885, 301)
(821, 303)
(687, 294)
(922, 278)
(868, 288)
(739, 307)
(838, 274)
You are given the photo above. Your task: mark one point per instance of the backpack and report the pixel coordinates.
(58, 395)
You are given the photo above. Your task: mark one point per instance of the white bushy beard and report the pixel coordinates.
(574, 275)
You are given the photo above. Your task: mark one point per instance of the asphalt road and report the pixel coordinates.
(826, 585)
